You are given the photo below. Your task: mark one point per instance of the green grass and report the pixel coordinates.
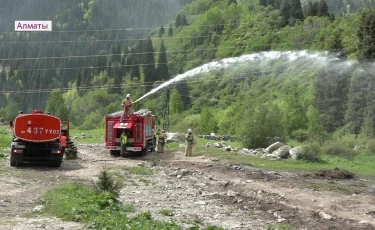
(362, 165)
(5, 137)
(140, 170)
(95, 135)
(74, 202)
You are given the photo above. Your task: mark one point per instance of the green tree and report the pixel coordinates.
(366, 35)
(162, 67)
(315, 128)
(357, 102)
(231, 2)
(56, 105)
(183, 21)
(175, 103)
(208, 123)
(170, 31)
(322, 10)
(11, 110)
(161, 31)
(177, 23)
(260, 121)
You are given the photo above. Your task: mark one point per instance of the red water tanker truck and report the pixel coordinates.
(36, 138)
(139, 127)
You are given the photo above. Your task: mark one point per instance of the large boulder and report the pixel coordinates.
(274, 146)
(295, 152)
(282, 152)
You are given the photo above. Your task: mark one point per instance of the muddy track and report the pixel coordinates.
(195, 190)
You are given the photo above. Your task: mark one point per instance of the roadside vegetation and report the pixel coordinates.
(99, 207)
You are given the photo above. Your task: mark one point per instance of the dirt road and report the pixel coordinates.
(195, 190)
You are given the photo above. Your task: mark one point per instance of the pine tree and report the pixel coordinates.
(175, 103)
(285, 11)
(161, 31)
(366, 35)
(231, 2)
(178, 21)
(296, 12)
(170, 31)
(311, 9)
(183, 21)
(358, 92)
(322, 9)
(71, 152)
(162, 68)
(263, 2)
(149, 61)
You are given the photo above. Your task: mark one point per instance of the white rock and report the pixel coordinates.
(200, 202)
(325, 216)
(295, 152)
(231, 193)
(38, 208)
(274, 146)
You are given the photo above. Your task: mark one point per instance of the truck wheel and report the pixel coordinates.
(145, 150)
(114, 153)
(12, 161)
(123, 152)
(56, 163)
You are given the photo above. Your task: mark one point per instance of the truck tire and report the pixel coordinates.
(145, 150)
(114, 153)
(12, 161)
(56, 163)
(124, 153)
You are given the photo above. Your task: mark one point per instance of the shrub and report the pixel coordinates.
(71, 152)
(371, 146)
(300, 135)
(107, 183)
(336, 148)
(311, 153)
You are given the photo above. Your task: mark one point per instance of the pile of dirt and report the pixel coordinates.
(333, 174)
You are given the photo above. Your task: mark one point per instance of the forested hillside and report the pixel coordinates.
(98, 52)
(84, 34)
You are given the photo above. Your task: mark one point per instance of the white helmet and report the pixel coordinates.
(189, 130)
(127, 95)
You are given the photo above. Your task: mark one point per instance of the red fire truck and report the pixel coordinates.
(139, 127)
(36, 137)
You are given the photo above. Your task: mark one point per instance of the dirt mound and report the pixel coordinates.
(334, 174)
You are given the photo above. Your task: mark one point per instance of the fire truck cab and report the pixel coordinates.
(139, 127)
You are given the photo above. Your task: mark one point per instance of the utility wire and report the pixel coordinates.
(132, 85)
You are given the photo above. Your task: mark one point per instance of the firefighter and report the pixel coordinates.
(124, 140)
(63, 142)
(126, 104)
(161, 141)
(189, 143)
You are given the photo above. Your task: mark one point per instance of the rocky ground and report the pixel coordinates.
(197, 190)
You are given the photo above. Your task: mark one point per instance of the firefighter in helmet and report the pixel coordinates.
(161, 141)
(189, 143)
(126, 104)
(124, 140)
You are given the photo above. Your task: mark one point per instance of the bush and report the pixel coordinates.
(300, 135)
(107, 183)
(311, 153)
(71, 152)
(371, 146)
(336, 148)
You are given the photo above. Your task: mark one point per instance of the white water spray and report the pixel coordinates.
(322, 58)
